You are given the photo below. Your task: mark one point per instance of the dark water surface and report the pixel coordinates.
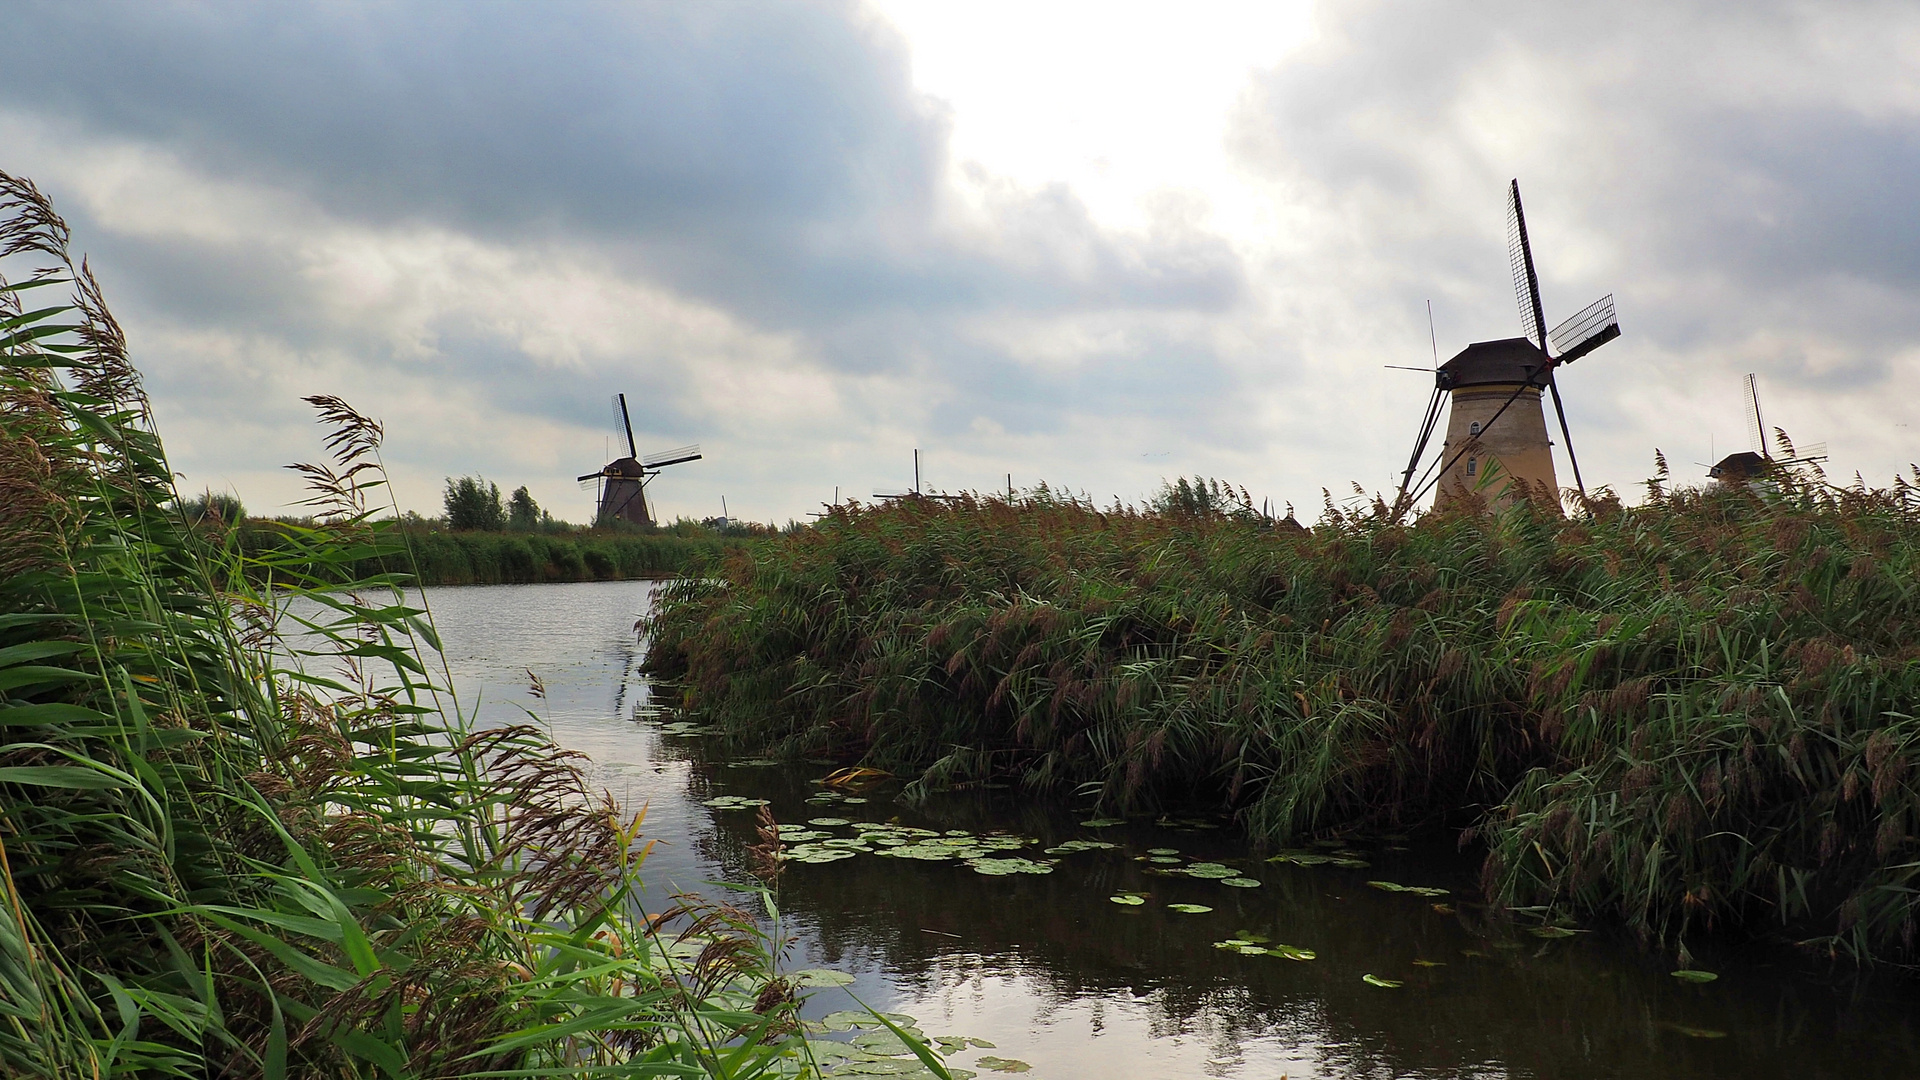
(1057, 975)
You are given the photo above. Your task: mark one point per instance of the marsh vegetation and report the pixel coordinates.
(1688, 715)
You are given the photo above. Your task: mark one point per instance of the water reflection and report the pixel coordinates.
(1056, 975)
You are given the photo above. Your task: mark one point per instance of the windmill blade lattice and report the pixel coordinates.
(1526, 283)
(1586, 330)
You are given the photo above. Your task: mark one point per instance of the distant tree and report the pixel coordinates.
(210, 505)
(473, 503)
(522, 511)
(1201, 497)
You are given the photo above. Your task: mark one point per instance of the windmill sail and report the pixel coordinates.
(1588, 329)
(672, 457)
(1759, 433)
(1526, 283)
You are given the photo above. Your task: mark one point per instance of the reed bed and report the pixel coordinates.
(440, 557)
(230, 850)
(1690, 714)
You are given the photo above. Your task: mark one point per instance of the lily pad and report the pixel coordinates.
(1350, 864)
(1694, 976)
(1163, 851)
(821, 977)
(1292, 952)
(1163, 860)
(1104, 822)
(883, 1042)
(1429, 963)
(828, 822)
(1384, 984)
(1128, 899)
(810, 854)
(1189, 909)
(1005, 1065)
(1003, 867)
(1240, 882)
(733, 802)
(1211, 870)
(1072, 846)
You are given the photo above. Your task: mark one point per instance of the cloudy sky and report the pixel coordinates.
(1097, 244)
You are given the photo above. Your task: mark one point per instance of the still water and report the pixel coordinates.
(1055, 974)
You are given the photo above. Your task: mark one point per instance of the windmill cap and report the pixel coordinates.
(1742, 466)
(1492, 363)
(626, 466)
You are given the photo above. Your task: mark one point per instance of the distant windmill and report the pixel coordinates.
(1494, 388)
(915, 493)
(623, 482)
(1736, 469)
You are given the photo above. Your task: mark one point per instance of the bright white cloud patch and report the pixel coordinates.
(1098, 244)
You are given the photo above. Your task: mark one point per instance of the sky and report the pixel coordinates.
(1099, 245)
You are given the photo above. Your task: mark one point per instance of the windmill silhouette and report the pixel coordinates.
(1493, 390)
(623, 482)
(1736, 469)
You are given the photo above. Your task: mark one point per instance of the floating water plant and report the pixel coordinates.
(1189, 909)
(1693, 975)
(1385, 984)
(1211, 870)
(1128, 899)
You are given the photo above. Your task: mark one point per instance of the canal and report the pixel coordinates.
(1083, 947)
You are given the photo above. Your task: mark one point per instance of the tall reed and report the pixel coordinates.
(244, 829)
(1695, 712)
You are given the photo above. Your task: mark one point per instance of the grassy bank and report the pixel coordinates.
(445, 557)
(219, 858)
(1691, 714)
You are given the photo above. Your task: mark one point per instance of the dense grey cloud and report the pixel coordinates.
(773, 157)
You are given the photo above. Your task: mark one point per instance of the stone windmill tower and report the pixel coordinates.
(1496, 445)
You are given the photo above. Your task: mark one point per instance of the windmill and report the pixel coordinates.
(1736, 469)
(622, 482)
(915, 492)
(1494, 388)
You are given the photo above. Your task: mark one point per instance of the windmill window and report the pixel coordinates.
(1470, 464)
(1474, 429)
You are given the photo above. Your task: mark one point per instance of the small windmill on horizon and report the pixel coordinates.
(622, 483)
(1736, 469)
(1493, 390)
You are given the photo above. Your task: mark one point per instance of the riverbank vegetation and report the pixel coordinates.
(1692, 714)
(229, 852)
(440, 556)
